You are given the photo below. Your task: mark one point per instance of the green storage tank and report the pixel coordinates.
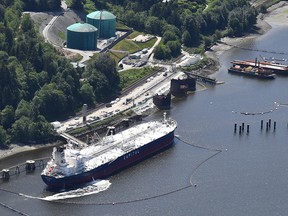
(82, 36)
(104, 21)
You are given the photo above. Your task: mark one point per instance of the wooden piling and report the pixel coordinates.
(269, 123)
(261, 124)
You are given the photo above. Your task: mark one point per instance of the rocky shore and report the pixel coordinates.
(277, 14)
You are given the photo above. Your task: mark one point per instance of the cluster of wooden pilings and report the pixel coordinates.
(241, 128)
(268, 125)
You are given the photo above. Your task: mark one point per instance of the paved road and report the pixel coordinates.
(46, 29)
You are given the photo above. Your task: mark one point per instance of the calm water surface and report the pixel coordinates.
(210, 170)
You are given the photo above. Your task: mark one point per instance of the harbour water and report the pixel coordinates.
(210, 170)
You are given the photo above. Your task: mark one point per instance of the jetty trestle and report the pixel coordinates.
(202, 78)
(72, 139)
(27, 167)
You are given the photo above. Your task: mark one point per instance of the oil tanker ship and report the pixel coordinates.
(72, 165)
(162, 101)
(270, 65)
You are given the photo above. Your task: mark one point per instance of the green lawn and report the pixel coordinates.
(62, 35)
(130, 47)
(117, 56)
(129, 77)
(134, 34)
(148, 44)
(126, 45)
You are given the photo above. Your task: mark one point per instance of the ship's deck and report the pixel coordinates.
(132, 138)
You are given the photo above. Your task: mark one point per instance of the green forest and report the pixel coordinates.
(39, 85)
(192, 23)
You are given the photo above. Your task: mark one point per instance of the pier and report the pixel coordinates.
(202, 78)
(72, 139)
(27, 167)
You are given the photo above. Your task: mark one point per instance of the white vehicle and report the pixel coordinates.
(56, 124)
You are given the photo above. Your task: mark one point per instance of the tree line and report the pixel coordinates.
(38, 84)
(42, 5)
(191, 23)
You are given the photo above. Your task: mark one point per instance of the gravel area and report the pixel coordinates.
(64, 19)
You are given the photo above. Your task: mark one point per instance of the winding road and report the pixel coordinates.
(52, 21)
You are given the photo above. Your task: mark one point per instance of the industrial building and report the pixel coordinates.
(82, 36)
(104, 21)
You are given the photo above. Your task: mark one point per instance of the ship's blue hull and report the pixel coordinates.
(109, 168)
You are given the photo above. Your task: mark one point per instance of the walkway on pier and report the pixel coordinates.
(202, 78)
(73, 139)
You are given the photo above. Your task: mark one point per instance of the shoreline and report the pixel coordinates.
(275, 14)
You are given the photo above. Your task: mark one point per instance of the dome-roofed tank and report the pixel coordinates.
(82, 36)
(104, 21)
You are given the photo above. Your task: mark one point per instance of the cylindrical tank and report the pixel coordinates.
(104, 21)
(84, 112)
(82, 36)
(191, 84)
(111, 130)
(162, 101)
(178, 87)
(5, 174)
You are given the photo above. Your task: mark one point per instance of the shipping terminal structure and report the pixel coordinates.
(73, 164)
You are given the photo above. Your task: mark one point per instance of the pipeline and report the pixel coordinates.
(257, 50)
(260, 113)
(9, 207)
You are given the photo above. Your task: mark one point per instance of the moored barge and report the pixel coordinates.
(252, 72)
(269, 65)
